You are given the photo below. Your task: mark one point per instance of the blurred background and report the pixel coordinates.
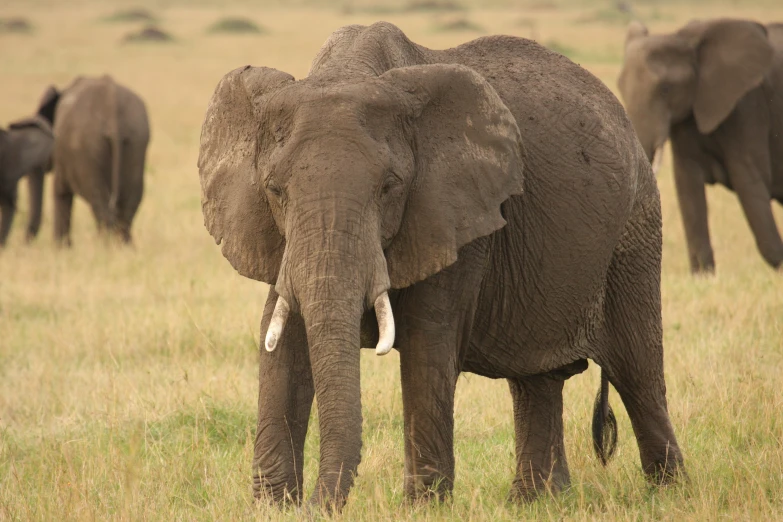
(128, 376)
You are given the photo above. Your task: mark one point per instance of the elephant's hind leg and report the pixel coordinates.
(633, 352)
(63, 206)
(538, 423)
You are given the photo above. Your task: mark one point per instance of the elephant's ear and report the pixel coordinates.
(468, 160)
(733, 57)
(236, 211)
(48, 104)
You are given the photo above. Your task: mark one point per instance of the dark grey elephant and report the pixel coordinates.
(101, 134)
(25, 150)
(715, 88)
(490, 202)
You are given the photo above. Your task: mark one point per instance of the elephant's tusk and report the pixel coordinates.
(383, 312)
(277, 324)
(657, 160)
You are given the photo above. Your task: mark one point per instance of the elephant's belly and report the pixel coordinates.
(533, 333)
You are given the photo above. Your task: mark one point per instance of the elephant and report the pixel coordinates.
(101, 134)
(715, 90)
(25, 150)
(483, 209)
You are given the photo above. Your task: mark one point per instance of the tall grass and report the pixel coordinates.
(128, 376)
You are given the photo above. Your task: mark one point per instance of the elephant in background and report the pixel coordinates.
(101, 134)
(493, 206)
(715, 89)
(25, 150)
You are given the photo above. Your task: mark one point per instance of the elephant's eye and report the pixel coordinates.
(275, 189)
(391, 182)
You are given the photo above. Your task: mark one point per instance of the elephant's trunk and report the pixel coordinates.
(330, 273)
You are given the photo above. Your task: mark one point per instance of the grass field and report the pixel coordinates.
(128, 376)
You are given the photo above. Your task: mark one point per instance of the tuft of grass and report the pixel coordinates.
(150, 33)
(236, 26)
(136, 14)
(432, 5)
(15, 25)
(459, 25)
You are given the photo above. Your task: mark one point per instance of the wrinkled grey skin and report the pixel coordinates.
(25, 150)
(715, 88)
(496, 189)
(101, 134)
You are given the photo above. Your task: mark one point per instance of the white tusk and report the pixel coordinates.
(383, 312)
(277, 324)
(657, 160)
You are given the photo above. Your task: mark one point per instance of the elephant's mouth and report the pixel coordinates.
(383, 312)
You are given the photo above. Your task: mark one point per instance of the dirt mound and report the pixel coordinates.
(15, 25)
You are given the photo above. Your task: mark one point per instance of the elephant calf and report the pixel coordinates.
(25, 150)
(715, 88)
(101, 134)
(493, 206)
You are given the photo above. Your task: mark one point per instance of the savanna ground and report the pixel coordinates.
(128, 376)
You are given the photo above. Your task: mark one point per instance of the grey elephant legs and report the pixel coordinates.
(538, 424)
(285, 396)
(429, 380)
(63, 206)
(35, 185)
(6, 218)
(633, 352)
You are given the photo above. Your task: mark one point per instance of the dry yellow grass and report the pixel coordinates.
(128, 377)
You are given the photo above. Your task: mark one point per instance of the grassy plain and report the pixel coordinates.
(128, 376)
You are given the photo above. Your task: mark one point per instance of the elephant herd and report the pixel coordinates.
(94, 135)
(486, 208)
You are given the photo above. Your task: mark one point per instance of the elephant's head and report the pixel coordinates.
(336, 191)
(702, 70)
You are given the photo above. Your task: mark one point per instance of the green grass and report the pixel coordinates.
(128, 377)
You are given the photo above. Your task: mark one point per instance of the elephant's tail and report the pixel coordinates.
(604, 423)
(116, 148)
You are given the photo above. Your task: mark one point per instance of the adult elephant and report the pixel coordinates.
(25, 150)
(716, 89)
(101, 134)
(392, 178)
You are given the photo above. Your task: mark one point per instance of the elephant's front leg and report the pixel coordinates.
(285, 395)
(7, 210)
(436, 318)
(429, 376)
(538, 423)
(35, 187)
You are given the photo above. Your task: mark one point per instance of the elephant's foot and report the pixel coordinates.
(280, 491)
(667, 469)
(534, 485)
(426, 488)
